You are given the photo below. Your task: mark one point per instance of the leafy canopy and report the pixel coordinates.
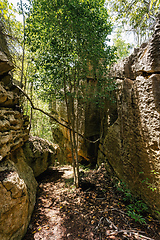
(12, 27)
(138, 15)
(123, 48)
(66, 37)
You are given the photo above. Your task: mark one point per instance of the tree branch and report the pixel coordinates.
(38, 109)
(127, 232)
(50, 115)
(130, 233)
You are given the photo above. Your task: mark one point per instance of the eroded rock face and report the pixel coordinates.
(132, 144)
(17, 181)
(40, 154)
(7, 97)
(5, 64)
(143, 60)
(13, 130)
(13, 125)
(18, 196)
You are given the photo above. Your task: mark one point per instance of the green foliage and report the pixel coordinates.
(136, 208)
(152, 185)
(11, 27)
(123, 48)
(137, 16)
(40, 123)
(8, 18)
(135, 216)
(65, 38)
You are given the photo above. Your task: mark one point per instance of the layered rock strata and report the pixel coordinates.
(13, 125)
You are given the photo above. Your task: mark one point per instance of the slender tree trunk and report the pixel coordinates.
(74, 126)
(23, 48)
(73, 159)
(25, 83)
(69, 113)
(31, 112)
(75, 147)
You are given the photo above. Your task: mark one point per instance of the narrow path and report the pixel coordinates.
(96, 211)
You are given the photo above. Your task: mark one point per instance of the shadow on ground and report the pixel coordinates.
(50, 175)
(91, 212)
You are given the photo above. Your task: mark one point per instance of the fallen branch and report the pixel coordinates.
(100, 198)
(111, 224)
(129, 233)
(137, 234)
(116, 209)
(99, 223)
(50, 115)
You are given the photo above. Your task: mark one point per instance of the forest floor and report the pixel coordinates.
(96, 211)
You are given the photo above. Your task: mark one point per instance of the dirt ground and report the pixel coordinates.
(96, 211)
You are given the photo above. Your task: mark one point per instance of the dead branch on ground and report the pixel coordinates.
(127, 232)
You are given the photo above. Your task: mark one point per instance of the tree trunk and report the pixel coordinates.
(70, 113)
(23, 48)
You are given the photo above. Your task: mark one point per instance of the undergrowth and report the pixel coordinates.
(136, 208)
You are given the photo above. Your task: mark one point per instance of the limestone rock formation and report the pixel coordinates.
(5, 64)
(131, 146)
(17, 181)
(18, 195)
(40, 154)
(13, 125)
(13, 131)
